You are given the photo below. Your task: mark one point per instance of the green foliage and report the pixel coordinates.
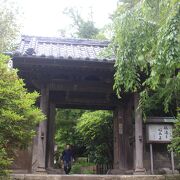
(18, 114)
(8, 25)
(146, 44)
(76, 168)
(81, 167)
(92, 130)
(87, 30)
(66, 120)
(95, 129)
(175, 144)
(84, 28)
(4, 161)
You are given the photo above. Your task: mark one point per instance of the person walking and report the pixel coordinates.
(67, 158)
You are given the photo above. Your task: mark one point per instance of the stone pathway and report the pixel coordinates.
(93, 177)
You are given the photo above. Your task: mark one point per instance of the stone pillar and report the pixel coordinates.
(139, 168)
(42, 132)
(50, 138)
(119, 141)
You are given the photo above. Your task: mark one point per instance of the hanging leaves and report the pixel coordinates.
(146, 41)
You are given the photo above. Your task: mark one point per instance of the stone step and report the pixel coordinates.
(93, 177)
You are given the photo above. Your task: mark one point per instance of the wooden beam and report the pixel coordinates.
(77, 86)
(86, 103)
(86, 106)
(20, 61)
(83, 101)
(66, 75)
(63, 70)
(83, 86)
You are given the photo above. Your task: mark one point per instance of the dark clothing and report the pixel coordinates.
(67, 157)
(67, 167)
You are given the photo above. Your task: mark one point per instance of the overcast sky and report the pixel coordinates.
(45, 17)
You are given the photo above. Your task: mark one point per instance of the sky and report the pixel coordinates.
(45, 17)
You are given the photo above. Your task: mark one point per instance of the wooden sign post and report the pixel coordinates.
(159, 130)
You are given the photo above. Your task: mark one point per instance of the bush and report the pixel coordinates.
(175, 143)
(96, 131)
(4, 162)
(18, 114)
(82, 167)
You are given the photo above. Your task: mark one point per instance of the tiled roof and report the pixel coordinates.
(62, 48)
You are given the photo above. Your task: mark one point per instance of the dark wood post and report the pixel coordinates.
(50, 138)
(119, 141)
(42, 131)
(116, 140)
(139, 168)
(34, 164)
(128, 132)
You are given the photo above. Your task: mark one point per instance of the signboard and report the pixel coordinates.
(10, 64)
(159, 133)
(159, 130)
(120, 128)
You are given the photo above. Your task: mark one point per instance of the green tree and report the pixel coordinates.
(95, 129)
(84, 28)
(9, 26)
(66, 121)
(175, 144)
(18, 114)
(146, 43)
(146, 47)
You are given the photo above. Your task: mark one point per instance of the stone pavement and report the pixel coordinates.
(93, 177)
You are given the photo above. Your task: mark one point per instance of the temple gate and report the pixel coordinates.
(69, 73)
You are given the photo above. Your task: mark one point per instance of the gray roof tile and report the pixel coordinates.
(62, 48)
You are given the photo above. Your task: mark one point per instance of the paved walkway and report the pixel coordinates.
(93, 177)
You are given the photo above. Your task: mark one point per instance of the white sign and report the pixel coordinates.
(120, 128)
(161, 133)
(10, 64)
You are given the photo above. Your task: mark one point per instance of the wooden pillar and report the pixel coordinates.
(119, 140)
(116, 140)
(34, 164)
(139, 168)
(42, 131)
(128, 132)
(50, 138)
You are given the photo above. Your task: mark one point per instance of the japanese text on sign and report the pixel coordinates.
(159, 132)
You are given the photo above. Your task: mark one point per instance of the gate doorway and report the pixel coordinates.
(90, 136)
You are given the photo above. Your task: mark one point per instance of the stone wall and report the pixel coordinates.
(22, 161)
